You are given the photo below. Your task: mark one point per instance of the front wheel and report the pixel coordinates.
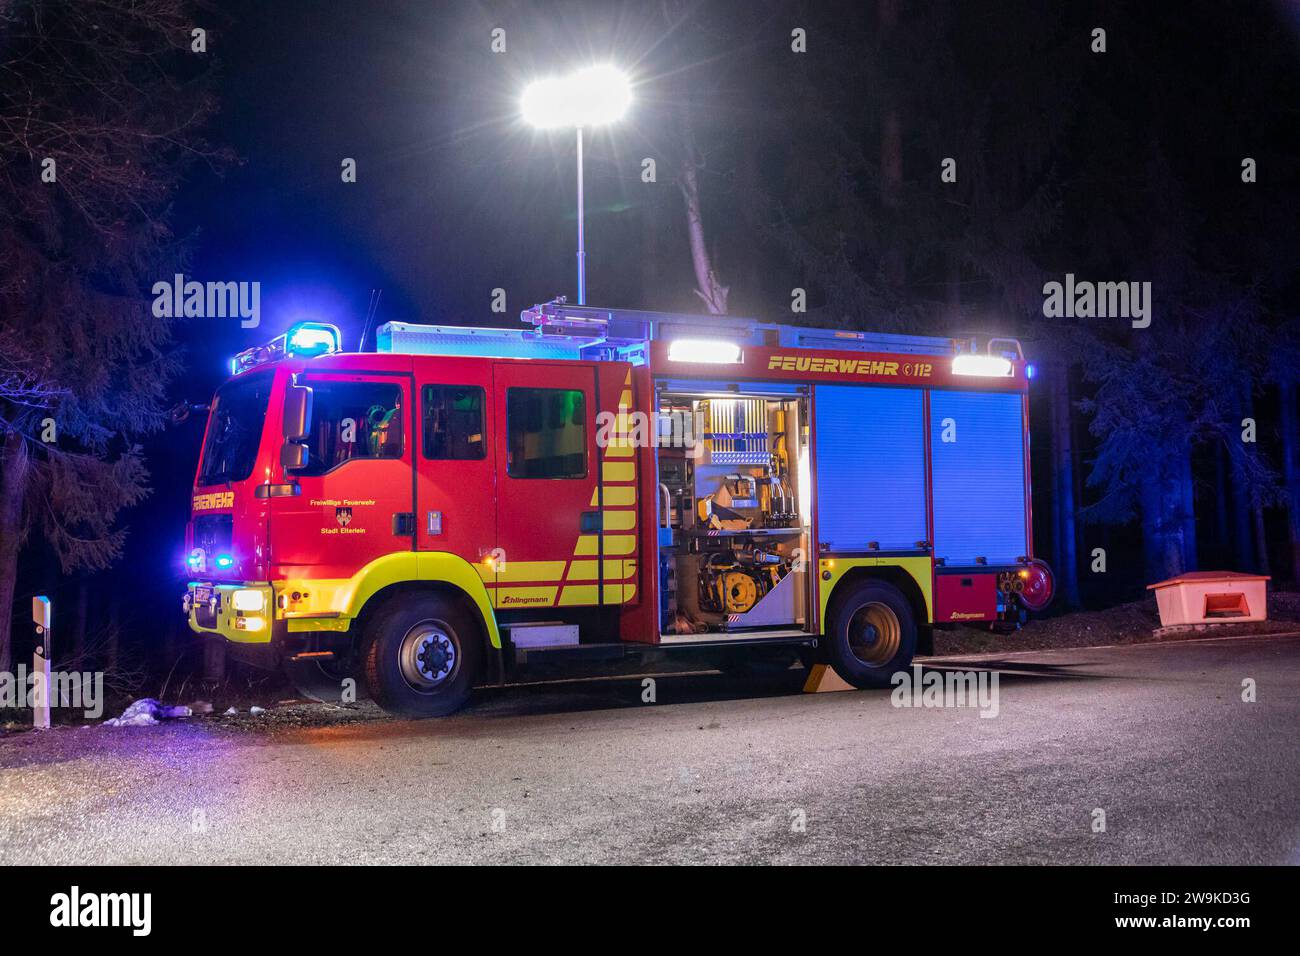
(422, 656)
(871, 634)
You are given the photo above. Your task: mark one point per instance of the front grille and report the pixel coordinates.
(214, 534)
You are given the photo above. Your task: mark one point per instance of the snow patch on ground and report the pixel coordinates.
(145, 713)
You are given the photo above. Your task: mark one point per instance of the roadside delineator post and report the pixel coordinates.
(41, 664)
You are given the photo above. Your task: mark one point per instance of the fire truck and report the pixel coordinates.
(463, 503)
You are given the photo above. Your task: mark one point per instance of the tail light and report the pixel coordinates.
(1037, 585)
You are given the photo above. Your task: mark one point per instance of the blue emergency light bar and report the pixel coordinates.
(304, 340)
(310, 339)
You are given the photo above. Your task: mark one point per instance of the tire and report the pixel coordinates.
(422, 655)
(871, 634)
(321, 678)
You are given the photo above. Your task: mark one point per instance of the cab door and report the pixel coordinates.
(456, 459)
(356, 498)
(548, 512)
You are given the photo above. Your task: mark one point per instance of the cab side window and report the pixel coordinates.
(453, 422)
(353, 420)
(547, 433)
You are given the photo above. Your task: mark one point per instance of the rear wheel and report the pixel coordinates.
(871, 634)
(423, 654)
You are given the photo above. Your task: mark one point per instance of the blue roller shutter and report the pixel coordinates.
(870, 467)
(979, 478)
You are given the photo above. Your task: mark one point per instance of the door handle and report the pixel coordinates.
(590, 522)
(404, 523)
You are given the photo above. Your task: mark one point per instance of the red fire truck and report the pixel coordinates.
(462, 502)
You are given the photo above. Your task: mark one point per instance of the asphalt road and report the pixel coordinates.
(1156, 736)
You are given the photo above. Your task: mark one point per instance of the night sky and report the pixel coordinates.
(456, 196)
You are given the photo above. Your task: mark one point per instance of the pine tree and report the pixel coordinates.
(99, 108)
(1165, 205)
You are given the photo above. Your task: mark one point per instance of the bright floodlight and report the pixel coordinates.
(708, 351)
(989, 365)
(590, 97)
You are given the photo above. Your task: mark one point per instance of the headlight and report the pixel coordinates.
(247, 600)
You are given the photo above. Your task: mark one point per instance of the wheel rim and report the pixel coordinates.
(875, 634)
(428, 656)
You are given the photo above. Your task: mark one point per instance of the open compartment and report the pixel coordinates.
(734, 512)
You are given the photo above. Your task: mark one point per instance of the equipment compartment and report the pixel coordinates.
(734, 512)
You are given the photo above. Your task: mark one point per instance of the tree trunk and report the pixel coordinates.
(1067, 574)
(1291, 469)
(1188, 535)
(81, 601)
(13, 479)
(707, 286)
(1222, 527)
(1243, 519)
(1261, 541)
(1241, 523)
(115, 628)
(1252, 546)
(1164, 518)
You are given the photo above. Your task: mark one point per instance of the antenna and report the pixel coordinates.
(371, 311)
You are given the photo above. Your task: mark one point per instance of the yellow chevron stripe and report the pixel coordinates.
(615, 496)
(619, 593)
(618, 545)
(613, 571)
(580, 594)
(618, 471)
(618, 520)
(530, 571)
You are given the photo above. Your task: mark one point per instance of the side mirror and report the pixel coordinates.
(293, 456)
(297, 412)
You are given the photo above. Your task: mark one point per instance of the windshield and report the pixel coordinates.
(234, 430)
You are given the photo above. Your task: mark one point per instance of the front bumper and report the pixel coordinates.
(210, 609)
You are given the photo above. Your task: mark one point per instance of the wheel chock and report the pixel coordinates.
(822, 678)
